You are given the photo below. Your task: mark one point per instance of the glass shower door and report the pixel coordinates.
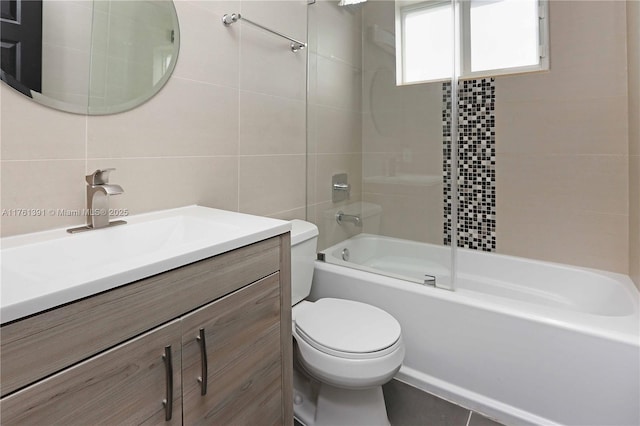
(388, 138)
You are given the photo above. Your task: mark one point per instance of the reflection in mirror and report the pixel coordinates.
(89, 57)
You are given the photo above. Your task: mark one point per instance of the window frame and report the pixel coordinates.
(403, 12)
(462, 44)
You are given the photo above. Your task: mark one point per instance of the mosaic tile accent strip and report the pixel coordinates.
(476, 164)
(446, 158)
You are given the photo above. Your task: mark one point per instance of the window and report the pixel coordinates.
(494, 37)
(426, 51)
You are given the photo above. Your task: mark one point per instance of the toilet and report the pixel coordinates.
(344, 350)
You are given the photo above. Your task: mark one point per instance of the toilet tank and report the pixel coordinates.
(304, 241)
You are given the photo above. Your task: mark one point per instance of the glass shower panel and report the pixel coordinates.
(388, 139)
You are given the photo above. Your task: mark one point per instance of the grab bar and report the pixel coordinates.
(229, 19)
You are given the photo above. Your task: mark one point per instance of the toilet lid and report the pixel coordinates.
(347, 326)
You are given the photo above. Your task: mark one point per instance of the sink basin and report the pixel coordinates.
(47, 269)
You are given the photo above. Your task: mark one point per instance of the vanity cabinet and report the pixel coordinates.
(231, 360)
(225, 323)
(124, 385)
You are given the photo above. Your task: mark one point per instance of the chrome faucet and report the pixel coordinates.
(353, 218)
(98, 192)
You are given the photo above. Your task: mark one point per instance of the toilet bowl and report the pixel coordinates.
(347, 344)
(344, 350)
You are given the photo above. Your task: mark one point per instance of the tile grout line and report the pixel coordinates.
(469, 418)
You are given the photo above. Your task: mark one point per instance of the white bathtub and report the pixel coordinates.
(523, 341)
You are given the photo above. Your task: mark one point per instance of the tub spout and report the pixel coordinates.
(353, 218)
(429, 280)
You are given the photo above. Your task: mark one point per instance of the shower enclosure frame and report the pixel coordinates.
(320, 211)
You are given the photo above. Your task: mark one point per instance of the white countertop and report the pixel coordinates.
(47, 269)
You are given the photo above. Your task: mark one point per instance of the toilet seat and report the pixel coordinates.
(364, 331)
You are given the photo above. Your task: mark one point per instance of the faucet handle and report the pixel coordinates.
(99, 177)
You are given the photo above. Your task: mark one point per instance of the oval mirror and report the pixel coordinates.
(88, 57)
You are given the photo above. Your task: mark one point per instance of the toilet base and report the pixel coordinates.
(320, 404)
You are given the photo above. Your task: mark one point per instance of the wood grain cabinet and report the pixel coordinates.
(124, 385)
(225, 359)
(231, 359)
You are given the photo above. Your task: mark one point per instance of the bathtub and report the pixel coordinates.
(522, 341)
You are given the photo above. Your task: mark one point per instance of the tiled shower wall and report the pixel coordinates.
(633, 58)
(564, 176)
(401, 139)
(476, 164)
(562, 145)
(567, 173)
(334, 105)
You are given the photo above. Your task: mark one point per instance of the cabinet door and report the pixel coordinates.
(243, 359)
(124, 385)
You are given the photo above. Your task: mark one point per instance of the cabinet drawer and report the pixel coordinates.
(38, 346)
(125, 385)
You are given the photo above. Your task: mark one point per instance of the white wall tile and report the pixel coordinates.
(209, 51)
(161, 183)
(267, 64)
(573, 183)
(593, 239)
(187, 118)
(32, 132)
(584, 127)
(336, 130)
(271, 125)
(45, 186)
(271, 184)
(633, 57)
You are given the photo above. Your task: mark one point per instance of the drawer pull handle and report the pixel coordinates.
(168, 402)
(203, 361)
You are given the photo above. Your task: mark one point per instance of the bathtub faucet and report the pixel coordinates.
(429, 280)
(353, 218)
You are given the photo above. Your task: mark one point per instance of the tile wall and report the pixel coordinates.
(562, 144)
(476, 163)
(561, 138)
(402, 138)
(633, 52)
(228, 130)
(334, 115)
